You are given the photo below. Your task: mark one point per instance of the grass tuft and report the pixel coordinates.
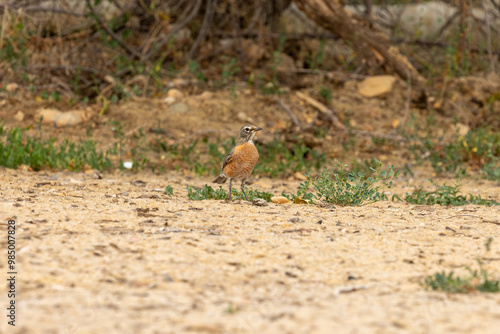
(345, 188)
(478, 280)
(444, 195)
(18, 149)
(207, 192)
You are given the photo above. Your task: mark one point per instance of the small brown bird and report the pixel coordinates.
(240, 161)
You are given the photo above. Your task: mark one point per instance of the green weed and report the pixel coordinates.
(478, 280)
(195, 69)
(478, 150)
(169, 191)
(18, 149)
(229, 70)
(341, 187)
(207, 192)
(272, 87)
(326, 94)
(444, 195)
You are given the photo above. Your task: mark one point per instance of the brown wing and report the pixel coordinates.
(227, 159)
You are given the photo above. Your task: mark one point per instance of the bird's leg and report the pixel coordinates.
(230, 195)
(243, 188)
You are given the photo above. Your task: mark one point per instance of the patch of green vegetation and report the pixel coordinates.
(478, 280)
(341, 187)
(229, 71)
(17, 149)
(169, 191)
(207, 192)
(195, 69)
(444, 195)
(319, 57)
(478, 150)
(326, 94)
(272, 87)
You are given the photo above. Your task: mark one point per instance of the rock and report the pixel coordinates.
(241, 116)
(279, 200)
(299, 176)
(175, 93)
(61, 119)
(259, 202)
(19, 116)
(376, 86)
(206, 95)
(193, 103)
(169, 100)
(179, 82)
(461, 129)
(11, 87)
(179, 108)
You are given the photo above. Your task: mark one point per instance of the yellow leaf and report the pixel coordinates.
(299, 201)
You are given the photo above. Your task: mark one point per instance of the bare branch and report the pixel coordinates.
(294, 119)
(207, 20)
(127, 48)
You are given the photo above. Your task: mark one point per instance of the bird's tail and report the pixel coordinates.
(220, 179)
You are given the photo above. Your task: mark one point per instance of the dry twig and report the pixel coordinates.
(294, 119)
(127, 48)
(323, 109)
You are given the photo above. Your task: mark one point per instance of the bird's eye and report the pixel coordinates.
(246, 129)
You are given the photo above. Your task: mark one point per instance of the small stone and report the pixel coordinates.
(178, 82)
(175, 93)
(11, 87)
(259, 202)
(460, 129)
(179, 108)
(376, 86)
(279, 200)
(295, 220)
(300, 176)
(62, 119)
(19, 116)
(206, 95)
(241, 116)
(169, 100)
(194, 104)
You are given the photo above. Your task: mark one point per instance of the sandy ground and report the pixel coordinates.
(114, 255)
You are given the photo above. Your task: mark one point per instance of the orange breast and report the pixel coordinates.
(244, 159)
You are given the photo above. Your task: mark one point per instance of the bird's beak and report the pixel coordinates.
(257, 129)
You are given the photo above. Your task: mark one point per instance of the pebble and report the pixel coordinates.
(279, 200)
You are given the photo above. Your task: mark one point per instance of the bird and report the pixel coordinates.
(241, 160)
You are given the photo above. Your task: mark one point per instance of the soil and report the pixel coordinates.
(112, 253)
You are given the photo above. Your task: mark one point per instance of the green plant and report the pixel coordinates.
(325, 94)
(169, 191)
(194, 68)
(318, 58)
(341, 187)
(478, 280)
(207, 192)
(18, 149)
(272, 87)
(444, 195)
(229, 70)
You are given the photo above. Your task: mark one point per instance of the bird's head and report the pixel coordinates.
(247, 133)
